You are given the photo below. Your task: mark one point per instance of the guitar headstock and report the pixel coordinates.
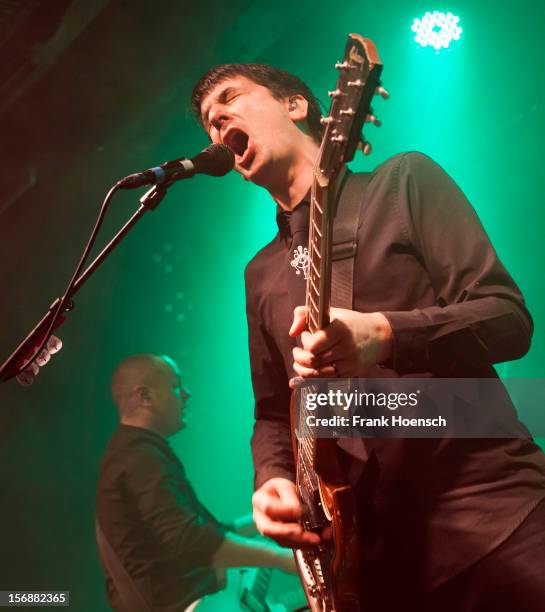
(30, 370)
(37, 348)
(358, 82)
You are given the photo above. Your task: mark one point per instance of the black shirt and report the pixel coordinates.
(148, 511)
(424, 260)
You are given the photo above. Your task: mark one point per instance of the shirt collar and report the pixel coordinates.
(283, 216)
(139, 432)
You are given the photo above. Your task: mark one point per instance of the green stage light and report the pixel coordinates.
(436, 30)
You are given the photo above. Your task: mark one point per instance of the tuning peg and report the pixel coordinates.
(326, 120)
(27, 376)
(54, 345)
(365, 147)
(372, 119)
(339, 138)
(350, 112)
(382, 92)
(43, 358)
(342, 65)
(335, 93)
(33, 367)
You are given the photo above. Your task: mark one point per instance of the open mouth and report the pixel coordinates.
(237, 140)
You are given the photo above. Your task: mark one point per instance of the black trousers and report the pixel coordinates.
(510, 578)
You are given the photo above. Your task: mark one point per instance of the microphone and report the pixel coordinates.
(215, 160)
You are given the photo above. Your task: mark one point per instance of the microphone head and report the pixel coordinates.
(215, 160)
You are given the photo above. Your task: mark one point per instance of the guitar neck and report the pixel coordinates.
(253, 592)
(319, 249)
(359, 75)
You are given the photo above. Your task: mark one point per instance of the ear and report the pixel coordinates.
(142, 393)
(297, 107)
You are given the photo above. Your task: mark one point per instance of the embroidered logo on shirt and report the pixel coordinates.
(300, 260)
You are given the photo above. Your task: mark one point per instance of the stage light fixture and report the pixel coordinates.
(436, 29)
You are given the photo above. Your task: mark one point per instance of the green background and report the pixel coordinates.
(116, 101)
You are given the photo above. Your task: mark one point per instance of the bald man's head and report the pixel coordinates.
(143, 369)
(148, 393)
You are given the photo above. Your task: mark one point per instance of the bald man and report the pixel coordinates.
(159, 546)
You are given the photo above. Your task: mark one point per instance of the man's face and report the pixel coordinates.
(258, 127)
(169, 398)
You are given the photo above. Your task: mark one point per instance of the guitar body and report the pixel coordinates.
(339, 500)
(330, 574)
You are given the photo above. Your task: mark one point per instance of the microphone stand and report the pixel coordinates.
(21, 357)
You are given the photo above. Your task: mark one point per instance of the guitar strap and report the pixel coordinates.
(129, 594)
(345, 230)
(348, 217)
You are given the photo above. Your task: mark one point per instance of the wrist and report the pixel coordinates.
(384, 334)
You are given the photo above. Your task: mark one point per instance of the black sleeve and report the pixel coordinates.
(271, 441)
(480, 318)
(169, 508)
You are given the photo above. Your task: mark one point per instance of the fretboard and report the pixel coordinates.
(319, 252)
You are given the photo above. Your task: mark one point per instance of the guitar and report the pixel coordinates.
(330, 573)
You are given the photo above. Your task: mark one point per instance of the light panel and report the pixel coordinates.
(436, 29)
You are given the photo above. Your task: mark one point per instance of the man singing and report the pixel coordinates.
(454, 524)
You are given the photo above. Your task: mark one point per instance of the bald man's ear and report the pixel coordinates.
(142, 393)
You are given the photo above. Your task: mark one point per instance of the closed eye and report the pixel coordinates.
(226, 96)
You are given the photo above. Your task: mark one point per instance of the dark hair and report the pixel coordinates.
(280, 83)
